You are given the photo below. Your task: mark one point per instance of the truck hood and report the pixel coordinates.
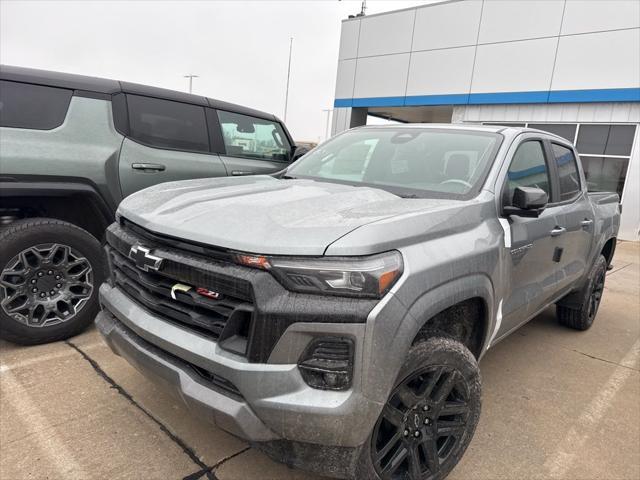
(261, 214)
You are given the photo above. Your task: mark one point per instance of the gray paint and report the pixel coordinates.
(452, 251)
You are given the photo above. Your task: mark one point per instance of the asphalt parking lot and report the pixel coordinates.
(557, 404)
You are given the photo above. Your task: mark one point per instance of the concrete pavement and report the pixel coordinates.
(557, 404)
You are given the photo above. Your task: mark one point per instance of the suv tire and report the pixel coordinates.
(432, 411)
(582, 317)
(50, 272)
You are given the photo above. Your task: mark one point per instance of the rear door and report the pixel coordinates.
(531, 270)
(252, 145)
(577, 216)
(167, 140)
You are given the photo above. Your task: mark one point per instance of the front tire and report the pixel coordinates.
(50, 272)
(581, 317)
(430, 416)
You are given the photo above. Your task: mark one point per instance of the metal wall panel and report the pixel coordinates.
(384, 76)
(385, 34)
(508, 20)
(598, 60)
(440, 71)
(349, 40)
(583, 16)
(346, 78)
(514, 66)
(447, 25)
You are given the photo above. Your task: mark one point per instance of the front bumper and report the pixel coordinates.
(274, 402)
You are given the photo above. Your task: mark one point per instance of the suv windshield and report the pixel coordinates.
(410, 162)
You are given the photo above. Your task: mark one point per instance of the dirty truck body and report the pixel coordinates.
(333, 315)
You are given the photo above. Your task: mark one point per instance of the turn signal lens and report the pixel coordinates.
(255, 261)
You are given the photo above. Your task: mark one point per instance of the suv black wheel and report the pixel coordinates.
(582, 317)
(430, 416)
(50, 272)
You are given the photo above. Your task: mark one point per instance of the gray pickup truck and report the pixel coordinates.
(334, 315)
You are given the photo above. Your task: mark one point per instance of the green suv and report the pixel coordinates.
(71, 148)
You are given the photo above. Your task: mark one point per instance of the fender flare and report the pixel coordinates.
(380, 375)
(57, 188)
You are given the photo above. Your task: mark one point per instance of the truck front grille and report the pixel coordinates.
(227, 317)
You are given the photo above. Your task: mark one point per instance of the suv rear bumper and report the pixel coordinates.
(272, 402)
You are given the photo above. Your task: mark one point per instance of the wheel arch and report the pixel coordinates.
(77, 203)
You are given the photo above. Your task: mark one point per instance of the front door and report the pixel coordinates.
(531, 269)
(252, 145)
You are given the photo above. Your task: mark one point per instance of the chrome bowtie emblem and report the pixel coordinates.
(143, 258)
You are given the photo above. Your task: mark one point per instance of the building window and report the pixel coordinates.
(564, 130)
(605, 151)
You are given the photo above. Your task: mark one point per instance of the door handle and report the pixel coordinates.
(586, 223)
(237, 173)
(557, 231)
(156, 167)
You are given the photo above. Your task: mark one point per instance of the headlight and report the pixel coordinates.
(371, 276)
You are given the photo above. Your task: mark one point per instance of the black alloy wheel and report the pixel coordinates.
(423, 421)
(45, 285)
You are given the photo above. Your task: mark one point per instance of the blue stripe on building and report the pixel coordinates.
(554, 96)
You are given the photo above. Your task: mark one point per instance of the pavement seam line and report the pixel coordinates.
(606, 361)
(187, 450)
(199, 473)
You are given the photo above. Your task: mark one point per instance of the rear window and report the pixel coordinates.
(567, 172)
(23, 105)
(167, 124)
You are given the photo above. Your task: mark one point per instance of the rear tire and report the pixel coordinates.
(50, 272)
(581, 317)
(429, 418)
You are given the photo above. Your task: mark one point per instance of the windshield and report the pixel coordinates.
(410, 162)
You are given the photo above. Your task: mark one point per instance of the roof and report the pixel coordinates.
(109, 87)
(471, 127)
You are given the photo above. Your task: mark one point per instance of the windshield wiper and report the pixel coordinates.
(288, 177)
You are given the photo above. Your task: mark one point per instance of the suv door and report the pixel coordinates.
(573, 205)
(252, 145)
(166, 140)
(531, 270)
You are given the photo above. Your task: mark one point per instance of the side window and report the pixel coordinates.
(167, 124)
(528, 169)
(246, 136)
(23, 105)
(567, 171)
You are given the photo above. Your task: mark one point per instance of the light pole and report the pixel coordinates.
(286, 95)
(326, 128)
(191, 77)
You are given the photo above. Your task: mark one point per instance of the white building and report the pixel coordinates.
(567, 66)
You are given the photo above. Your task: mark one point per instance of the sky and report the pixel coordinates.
(238, 48)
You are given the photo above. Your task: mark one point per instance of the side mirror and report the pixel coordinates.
(298, 151)
(527, 202)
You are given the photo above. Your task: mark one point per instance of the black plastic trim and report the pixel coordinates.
(90, 94)
(41, 186)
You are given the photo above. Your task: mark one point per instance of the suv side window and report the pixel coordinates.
(167, 124)
(528, 169)
(37, 107)
(567, 171)
(246, 136)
